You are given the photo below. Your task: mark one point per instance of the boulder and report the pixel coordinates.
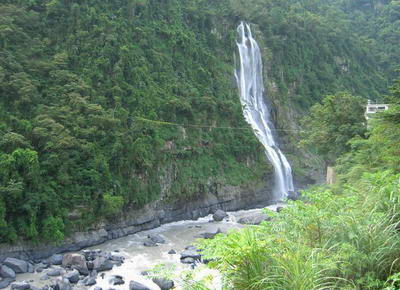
(133, 285)
(31, 269)
(44, 277)
(219, 215)
(254, 219)
(54, 272)
(5, 282)
(73, 276)
(208, 235)
(279, 209)
(156, 238)
(172, 252)
(76, 261)
(149, 243)
(56, 259)
(116, 280)
(91, 255)
(89, 281)
(117, 258)
(18, 266)
(188, 260)
(102, 264)
(63, 284)
(98, 288)
(164, 284)
(191, 254)
(7, 272)
(20, 286)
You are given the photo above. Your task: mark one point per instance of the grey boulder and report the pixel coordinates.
(133, 285)
(190, 254)
(56, 259)
(149, 243)
(164, 284)
(102, 264)
(156, 238)
(63, 284)
(89, 281)
(5, 282)
(7, 272)
(76, 261)
(54, 272)
(219, 215)
(18, 266)
(73, 276)
(116, 280)
(254, 219)
(20, 286)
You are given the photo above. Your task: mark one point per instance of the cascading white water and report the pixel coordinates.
(251, 88)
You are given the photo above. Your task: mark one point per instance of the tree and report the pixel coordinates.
(332, 123)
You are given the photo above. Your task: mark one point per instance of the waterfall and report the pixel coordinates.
(250, 81)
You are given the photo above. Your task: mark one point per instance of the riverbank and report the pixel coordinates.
(227, 198)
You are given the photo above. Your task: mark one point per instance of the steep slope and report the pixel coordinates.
(80, 81)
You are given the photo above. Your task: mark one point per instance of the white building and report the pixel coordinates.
(374, 108)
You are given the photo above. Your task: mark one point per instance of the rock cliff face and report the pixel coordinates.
(228, 198)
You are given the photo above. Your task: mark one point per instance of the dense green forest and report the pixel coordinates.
(80, 79)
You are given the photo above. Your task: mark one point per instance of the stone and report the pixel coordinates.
(63, 284)
(18, 266)
(20, 286)
(156, 238)
(219, 215)
(191, 247)
(116, 280)
(6, 282)
(98, 288)
(187, 260)
(164, 284)
(7, 272)
(54, 272)
(254, 219)
(133, 285)
(44, 277)
(172, 252)
(89, 281)
(73, 276)
(102, 264)
(56, 259)
(76, 261)
(117, 258)
(90, 255)
(208, 235)
(191, 254)
(149, 243)
(31, 269)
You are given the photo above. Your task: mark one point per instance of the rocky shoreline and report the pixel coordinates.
(82, 270)
(151, 216)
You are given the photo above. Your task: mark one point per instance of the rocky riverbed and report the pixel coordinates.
(124, 263)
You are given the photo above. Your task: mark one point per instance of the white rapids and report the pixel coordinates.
(250, 81)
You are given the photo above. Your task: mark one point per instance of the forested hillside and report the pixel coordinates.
(79, 81)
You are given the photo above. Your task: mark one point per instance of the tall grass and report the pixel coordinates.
(327, 241)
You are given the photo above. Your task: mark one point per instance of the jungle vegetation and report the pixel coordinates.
(79, 81)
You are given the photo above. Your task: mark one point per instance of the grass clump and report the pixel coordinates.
(326, 241)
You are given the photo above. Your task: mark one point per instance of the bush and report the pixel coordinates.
(325, 241)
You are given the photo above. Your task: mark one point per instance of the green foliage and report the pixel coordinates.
(331, 125)
(112, 204)
(76, 75)
(53, 229)
(327, 241)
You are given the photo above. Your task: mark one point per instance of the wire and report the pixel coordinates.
(207, 127)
